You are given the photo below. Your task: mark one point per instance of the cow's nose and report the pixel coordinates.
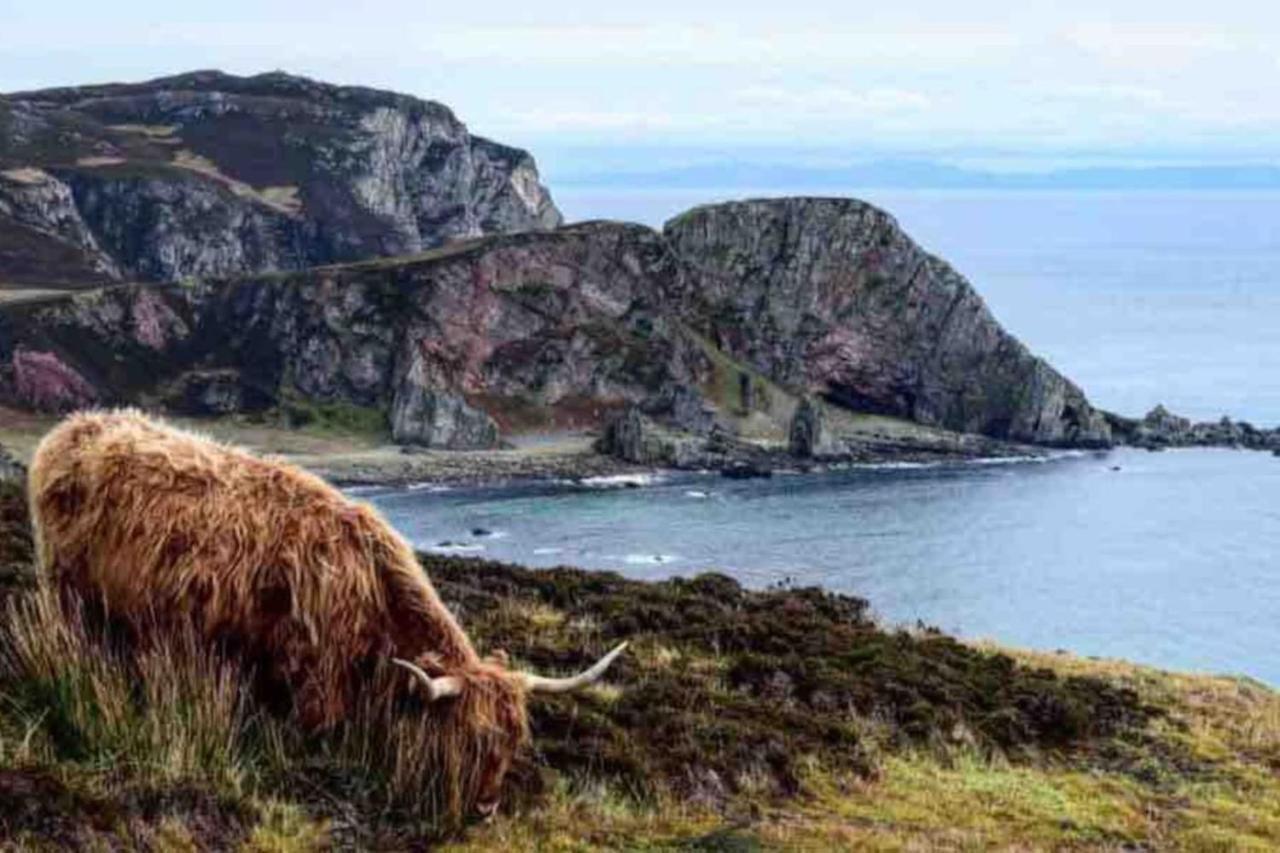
(487, 810)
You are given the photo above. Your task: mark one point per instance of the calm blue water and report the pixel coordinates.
(1170, 560)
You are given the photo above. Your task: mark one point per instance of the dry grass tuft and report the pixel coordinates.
(173, 714)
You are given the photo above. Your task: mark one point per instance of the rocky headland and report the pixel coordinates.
(209, 174)
(279, 249)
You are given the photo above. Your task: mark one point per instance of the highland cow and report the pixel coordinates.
(158, 527)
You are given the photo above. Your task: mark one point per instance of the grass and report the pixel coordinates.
(335, 419)
(740, 720)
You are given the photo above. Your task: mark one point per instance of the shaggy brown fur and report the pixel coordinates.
(316, 591)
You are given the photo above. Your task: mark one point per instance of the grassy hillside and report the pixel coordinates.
(740, 720)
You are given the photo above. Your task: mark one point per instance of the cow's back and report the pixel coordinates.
(159, 522)
(160, 525)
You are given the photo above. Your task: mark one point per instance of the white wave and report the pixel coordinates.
(697, 493)
(544, 552)
(455, 548)
(649, 559)
(618, 481)
(894, 466)
(427, 486)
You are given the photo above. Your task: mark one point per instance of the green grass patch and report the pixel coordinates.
(332, 419)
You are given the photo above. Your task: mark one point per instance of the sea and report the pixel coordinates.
(1170, 559)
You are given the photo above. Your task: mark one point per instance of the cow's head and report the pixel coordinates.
(487, 704)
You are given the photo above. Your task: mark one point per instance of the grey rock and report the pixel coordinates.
(1160, 429)
(689, 411)
(808, 436)
(746, 470)
(209, 174)
(632, 437)
(563, 322)
(430, 418)
(831, 296)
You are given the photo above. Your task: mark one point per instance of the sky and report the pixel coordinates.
(1014, 84)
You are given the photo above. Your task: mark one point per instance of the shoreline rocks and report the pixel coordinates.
(1160, 429)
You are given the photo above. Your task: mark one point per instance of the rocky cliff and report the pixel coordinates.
(831, 296)
(238, 195)
(451, 345)
(721, 325)
(207, 174)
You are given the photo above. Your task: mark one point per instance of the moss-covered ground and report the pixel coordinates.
(739, 720)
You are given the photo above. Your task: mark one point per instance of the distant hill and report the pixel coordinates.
(212, 174)
(912, 174)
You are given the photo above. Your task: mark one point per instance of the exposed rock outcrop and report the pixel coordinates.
(831, 296)
(208, 174)
(757, 305)
(1160, 429)
(430, 418)
(447, 344)
(808, 435)
(632, 437)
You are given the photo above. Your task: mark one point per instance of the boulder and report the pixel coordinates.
(746, 470)
(808, 430)
(432, 418)
(633, 437)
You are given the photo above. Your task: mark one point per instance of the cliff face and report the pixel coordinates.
(451, 344)
(212, 184)
(455, 345)
(207, 174)
(830, 295)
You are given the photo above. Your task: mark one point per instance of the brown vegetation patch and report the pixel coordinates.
(282, 199)
(728, 688)
(516, 415)
(36, 806)
(16, 547)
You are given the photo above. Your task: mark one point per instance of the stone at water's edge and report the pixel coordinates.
(830, 295)
(1160, 428)
(436, 419)
(210, 174)
(808, 430)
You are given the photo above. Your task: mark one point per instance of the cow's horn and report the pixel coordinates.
(436, 688)
(541, 684)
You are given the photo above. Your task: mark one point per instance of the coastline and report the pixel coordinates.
(350, 458)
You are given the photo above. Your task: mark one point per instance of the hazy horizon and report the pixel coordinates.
(983, 87)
